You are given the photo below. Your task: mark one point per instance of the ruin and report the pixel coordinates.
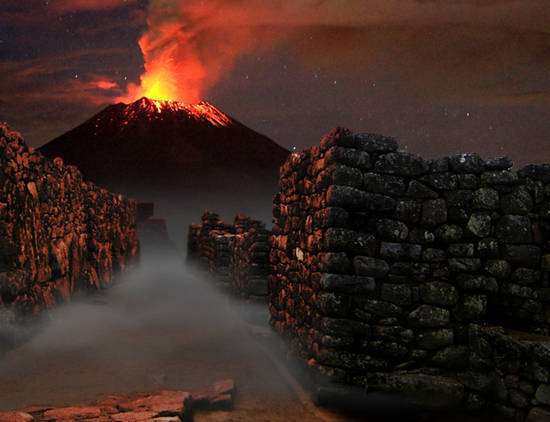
(237, 255)
(59, 235)
(429, 279)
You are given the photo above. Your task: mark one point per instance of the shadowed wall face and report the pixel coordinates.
(383, 264)
(58, 233)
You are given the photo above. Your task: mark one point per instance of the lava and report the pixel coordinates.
(201, 110)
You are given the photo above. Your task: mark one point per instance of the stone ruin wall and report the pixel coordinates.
(59, 234)
(427, 277)
(237, 255)
(152, 232)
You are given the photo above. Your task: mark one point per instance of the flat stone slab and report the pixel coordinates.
(154, 406)
(216, 396)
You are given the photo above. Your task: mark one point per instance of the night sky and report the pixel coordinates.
(441, 76)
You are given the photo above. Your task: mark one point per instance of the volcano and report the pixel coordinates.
(161, 147)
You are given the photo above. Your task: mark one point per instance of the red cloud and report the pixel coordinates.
(105, 84)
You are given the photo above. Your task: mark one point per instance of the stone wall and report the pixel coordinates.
(237, 255)
(58, 233)
(387, 268)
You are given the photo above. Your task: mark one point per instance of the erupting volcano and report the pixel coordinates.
(153, 146)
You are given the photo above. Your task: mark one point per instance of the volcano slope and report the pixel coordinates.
(184, 157)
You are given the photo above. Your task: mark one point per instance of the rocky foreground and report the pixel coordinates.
(163, 405)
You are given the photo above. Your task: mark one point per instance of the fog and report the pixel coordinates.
(159, 327)
(162, 326)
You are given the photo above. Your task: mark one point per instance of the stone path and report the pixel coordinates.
(161, 329)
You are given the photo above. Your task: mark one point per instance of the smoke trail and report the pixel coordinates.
(190, 45)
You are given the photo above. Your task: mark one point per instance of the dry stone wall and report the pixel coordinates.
(424, 277)
(58, 233)
(236, 255)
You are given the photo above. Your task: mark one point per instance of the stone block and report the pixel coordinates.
(439, 293)
(434, 212)
(435, 339)
(402, 164)
(514, 229)
(372, 267)
(400, 251)
(467, 163)
(429, 316)
(347, 283)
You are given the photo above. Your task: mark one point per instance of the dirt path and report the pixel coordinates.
(161, 328)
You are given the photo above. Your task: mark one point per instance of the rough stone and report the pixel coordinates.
(467, 163)
(334, 262)
(442, 181)
(498, 268)
(514, 229)
(470, 307)
(488, 248)
(338, 174)
(435, 339)
(427, 390)
(473, 282)
(347, 156)
(383, 309)
(537, 414)
(383, 183)
(429, 316)
(433, 255)
(401, 163)
(528, 255)
(543, 394)
(439, 293)
(434, 212)
(525, 276)
(464, 264)
(372, 267)
(420, 191)
(400, 294)
(421, 236)
(499, 163)
(479, 225)
(485, 199)
(449, 233)
(459, 198)
(375, 143)
(346, 283)
(400, 251)
(518, 202)
(468, 181)
(408, 211)
(497, 177)
(461, 249)
(392, 229)
(452, 357)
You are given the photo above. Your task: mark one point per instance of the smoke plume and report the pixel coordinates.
(191, 45)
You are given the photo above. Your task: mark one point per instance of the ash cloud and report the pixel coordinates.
(193, 45)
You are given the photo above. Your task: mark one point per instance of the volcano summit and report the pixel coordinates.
(153, 146)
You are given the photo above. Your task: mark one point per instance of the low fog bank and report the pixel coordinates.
(159, 327)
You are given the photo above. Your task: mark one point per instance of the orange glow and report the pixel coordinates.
(157, 109)
(172, 73)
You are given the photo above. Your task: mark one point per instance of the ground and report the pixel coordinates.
(158, 328)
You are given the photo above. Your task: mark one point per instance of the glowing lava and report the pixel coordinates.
(154, 109)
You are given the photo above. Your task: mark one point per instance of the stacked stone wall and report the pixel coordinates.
(250, 266)
(384, 264)
(237, 254)
(59, 234)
